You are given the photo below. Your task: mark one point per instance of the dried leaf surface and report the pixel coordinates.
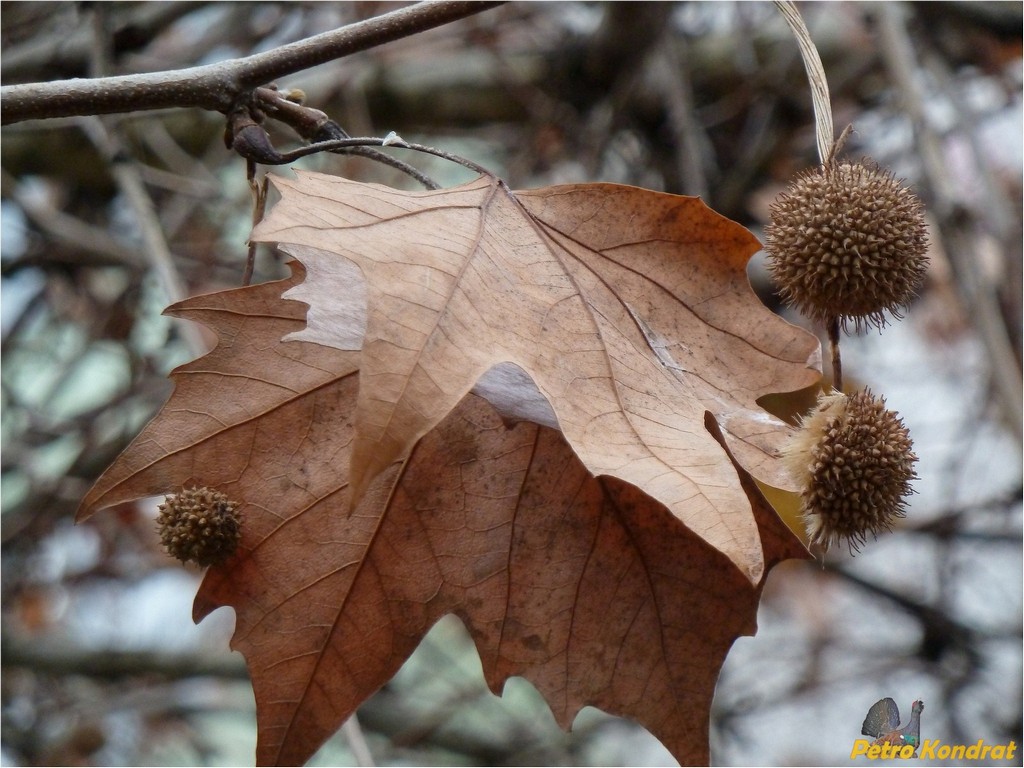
(630, 310)
(585, 586)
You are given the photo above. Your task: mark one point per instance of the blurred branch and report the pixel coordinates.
(1000, 18)
(217, 86)
(135, 27)
(673, 77)
(962, 522)
(943, 636)
(92, 245)
(386, 713)
(107, 140)
(357, 745)
(64, 659)
(956, 224)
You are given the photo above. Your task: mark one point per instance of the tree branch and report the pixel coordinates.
(61, 659)
(215, 87)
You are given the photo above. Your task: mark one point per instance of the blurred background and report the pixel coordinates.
(106, 221)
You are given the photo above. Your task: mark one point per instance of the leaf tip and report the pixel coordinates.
(88, 506)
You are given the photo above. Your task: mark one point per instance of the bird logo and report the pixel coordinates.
(883, 724)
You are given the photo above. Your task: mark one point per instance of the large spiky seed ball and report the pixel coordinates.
(847, 241)
(855, 462)
(199, 525)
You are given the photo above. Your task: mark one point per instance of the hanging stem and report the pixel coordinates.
(837, 360)
(259, 207)
(281, 158)
(828, 147)
(820, 100)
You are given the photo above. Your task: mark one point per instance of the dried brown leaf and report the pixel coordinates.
(610, 553)
(630, 311)
(583, 585)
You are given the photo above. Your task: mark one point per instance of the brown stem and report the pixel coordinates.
(837, 361)
(259, 207)
(361, 142)
(315, 126)
(217, 86)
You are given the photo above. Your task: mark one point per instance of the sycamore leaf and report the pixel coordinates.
(629, 310)
(584, 585)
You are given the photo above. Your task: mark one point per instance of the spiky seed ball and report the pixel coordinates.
(855, 462)
(199, 525)
(847, 241)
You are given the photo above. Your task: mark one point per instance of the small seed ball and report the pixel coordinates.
(847, 241)
(855, 462)
(199, 525)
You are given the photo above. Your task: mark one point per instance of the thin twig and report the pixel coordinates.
(834, 326)
(283, 158)
(28, 58)
(955, 222)
(673, 78)
(353, 732)
(92, 245)
(157, 252)
(177, 211)
(315, 126)
(105, 137)
(259, 207)
(379, 157)
(216, 87)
